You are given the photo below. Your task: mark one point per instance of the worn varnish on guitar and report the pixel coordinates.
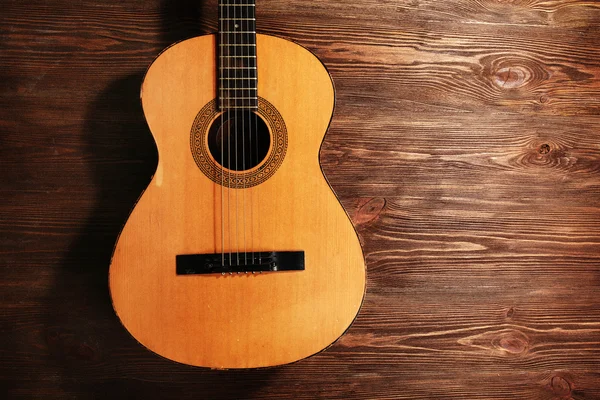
(238, 254)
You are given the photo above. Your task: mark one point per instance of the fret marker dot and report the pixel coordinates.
(236, 26)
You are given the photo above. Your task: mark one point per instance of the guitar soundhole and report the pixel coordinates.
(239, 140)
(239, 150)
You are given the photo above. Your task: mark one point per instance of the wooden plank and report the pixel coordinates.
(464, 145)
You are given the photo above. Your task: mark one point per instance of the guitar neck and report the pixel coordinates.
(238, 78)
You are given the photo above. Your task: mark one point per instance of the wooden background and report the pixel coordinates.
(465, 146)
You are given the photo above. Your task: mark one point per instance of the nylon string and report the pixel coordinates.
(221, 99)
(241, 28)
(235, 129)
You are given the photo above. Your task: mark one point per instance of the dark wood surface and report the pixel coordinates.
(465, 145)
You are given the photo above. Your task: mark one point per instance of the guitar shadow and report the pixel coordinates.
(91, 352)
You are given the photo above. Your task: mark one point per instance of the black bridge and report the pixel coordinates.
(238, 263)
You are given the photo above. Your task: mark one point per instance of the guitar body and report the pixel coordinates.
(240, 320)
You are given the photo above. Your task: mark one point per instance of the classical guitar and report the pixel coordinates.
(238, 254)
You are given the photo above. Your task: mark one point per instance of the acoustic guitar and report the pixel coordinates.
(238, 254)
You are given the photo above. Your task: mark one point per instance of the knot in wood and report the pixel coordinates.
(509, 72)
(560, 386)
(511, 77)
(510, 313)
(545, 148)
(552, 155)
(512, 341)
(370, 210)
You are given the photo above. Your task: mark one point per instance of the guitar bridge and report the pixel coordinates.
(238, 263)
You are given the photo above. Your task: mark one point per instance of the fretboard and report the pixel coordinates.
(237, 55)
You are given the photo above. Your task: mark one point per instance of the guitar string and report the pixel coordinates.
(236, 133)
(251, 189)
(241, 28)
(251, 103)
(222, 109)
(256, 116)
(227, 7)
(239, 64)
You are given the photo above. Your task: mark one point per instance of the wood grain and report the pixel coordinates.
(465, 145)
